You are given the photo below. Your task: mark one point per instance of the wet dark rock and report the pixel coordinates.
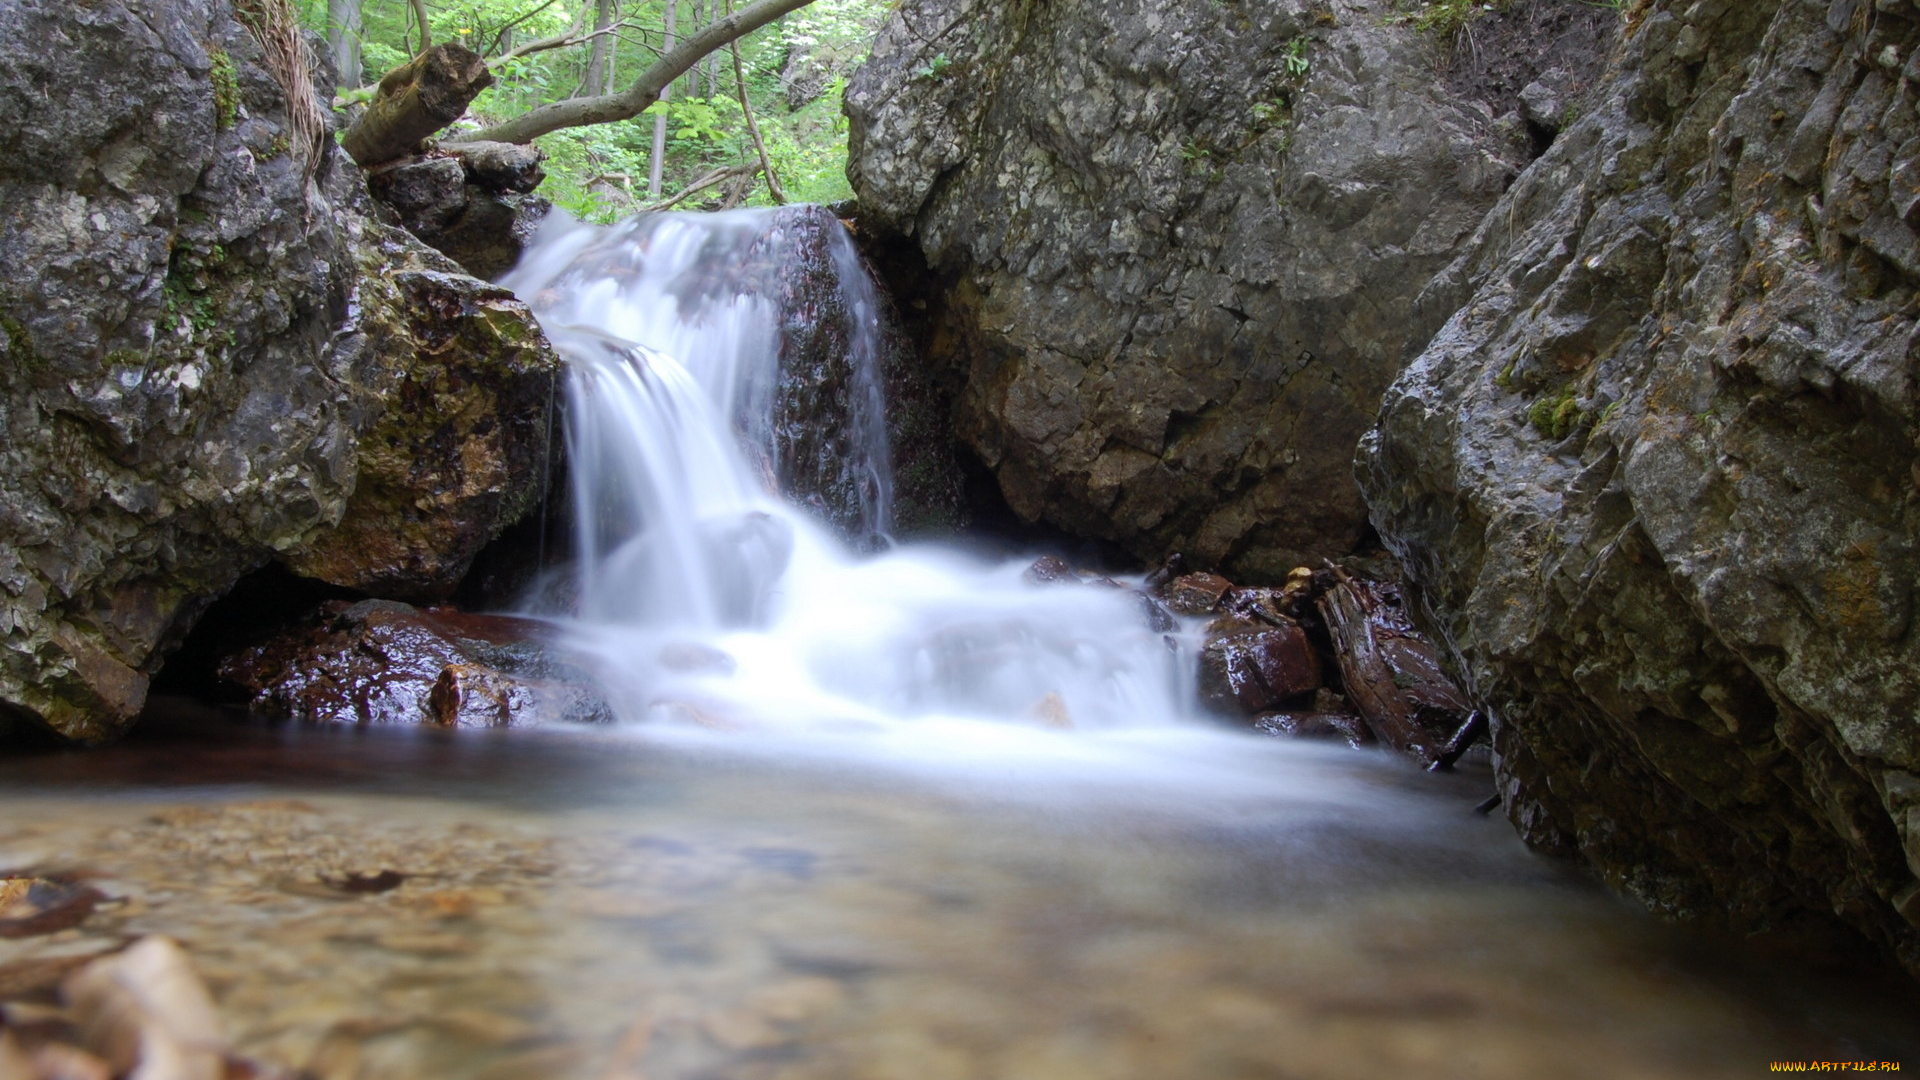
(1180, 246)
(1250, 667)
(821, 405)
(1653, 480)
(384, 662)
(1050, 570)
(174, 409)
(1389, 669)
(1196, 594)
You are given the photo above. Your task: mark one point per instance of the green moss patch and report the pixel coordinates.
(226, 89)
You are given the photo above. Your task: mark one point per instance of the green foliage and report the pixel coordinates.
(1296, 58)
(934, 68)
(1559, 415)
(1446, 17)
(226, 89)
(600, 172)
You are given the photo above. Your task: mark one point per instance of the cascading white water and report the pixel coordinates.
(710, 597)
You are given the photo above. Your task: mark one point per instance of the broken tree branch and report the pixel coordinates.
(635, 99)
(416, 100)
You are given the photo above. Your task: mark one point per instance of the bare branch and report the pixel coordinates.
(635, 99)
(753, 129)
(560, 41)
(502, 34)
(420, 14)
(718, 176)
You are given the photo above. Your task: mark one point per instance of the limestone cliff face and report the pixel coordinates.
(1655, 479)
(187, 384)
(1180, 244)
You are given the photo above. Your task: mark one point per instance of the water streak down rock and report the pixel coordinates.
(1654, 482)
(1181, 244)
(183, 327)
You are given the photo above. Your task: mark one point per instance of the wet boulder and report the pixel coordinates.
(1654, 479)
(1249, 667)
(193, 283)
(1391, 671)
(384, 662)
(1196, 594)
(463, 390)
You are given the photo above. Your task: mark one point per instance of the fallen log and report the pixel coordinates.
(1392, 672)
(414, 101)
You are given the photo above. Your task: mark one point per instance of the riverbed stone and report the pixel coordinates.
(1178, 246)
(1653, 482)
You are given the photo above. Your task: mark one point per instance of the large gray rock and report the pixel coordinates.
(1654, 482)
(186, 385)
(1181, 243)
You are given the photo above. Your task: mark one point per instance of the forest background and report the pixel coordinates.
(793, 72)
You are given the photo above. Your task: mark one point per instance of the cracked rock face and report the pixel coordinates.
(187, 384)
(1655, 481)
(1180, 245)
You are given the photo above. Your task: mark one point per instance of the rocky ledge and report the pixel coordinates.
(1654, 482)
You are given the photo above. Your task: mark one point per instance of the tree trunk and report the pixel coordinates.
(416, 100)
(343, 40)
(596, 81)
(657, 166)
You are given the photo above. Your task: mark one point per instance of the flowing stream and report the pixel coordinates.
(877, 811)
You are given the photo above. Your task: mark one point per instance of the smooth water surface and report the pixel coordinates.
(663, 905)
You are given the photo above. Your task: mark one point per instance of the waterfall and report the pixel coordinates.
(732, 500)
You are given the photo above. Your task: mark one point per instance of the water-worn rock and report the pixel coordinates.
(180, 403)
(467, 390)
(1654, 482)
(383, 662)
(1248, 667)
(1181, 244)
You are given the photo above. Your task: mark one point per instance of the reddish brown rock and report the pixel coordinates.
(1196, 594)
(1050, 570)
(1248, 667)
(380, 662)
